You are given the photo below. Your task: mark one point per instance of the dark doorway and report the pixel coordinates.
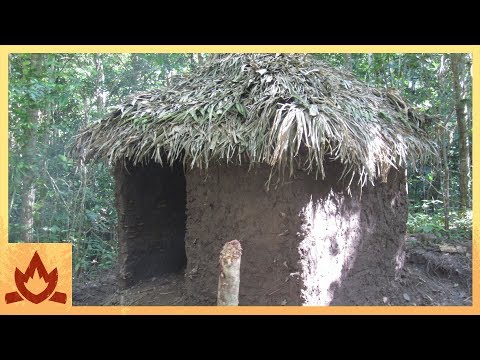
(151, 202)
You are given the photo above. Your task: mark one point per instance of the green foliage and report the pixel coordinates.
(432, 223)
(426, 223)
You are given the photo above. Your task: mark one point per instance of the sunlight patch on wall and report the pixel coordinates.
(331, 236)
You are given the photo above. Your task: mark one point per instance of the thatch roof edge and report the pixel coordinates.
(263, 108)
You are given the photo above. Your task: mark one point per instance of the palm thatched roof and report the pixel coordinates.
(285, 110)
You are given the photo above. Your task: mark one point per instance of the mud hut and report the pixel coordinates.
(301, 162)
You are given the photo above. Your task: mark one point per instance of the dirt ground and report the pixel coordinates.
(434, 274)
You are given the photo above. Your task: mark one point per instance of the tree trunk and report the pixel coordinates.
(136, 72)
(446, 184)
(229, 280)
(99, 84)
(348, 62)
(29, 152)
(464, 161)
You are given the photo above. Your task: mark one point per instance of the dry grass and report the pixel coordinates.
(286, 110)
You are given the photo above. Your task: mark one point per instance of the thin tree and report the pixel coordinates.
(99, 84)
(34, 115)
(348, 61)
(457, 67)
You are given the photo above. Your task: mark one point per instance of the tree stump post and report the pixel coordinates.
(229, 279)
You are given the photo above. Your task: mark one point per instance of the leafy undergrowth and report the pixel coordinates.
(433, 223)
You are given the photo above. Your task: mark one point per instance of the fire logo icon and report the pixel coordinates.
(36, 284)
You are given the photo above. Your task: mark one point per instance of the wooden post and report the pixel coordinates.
(229, 279)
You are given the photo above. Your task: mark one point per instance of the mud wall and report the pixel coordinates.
(381, 252)
(305, 242)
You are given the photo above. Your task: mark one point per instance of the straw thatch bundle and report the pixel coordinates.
(286, 110)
